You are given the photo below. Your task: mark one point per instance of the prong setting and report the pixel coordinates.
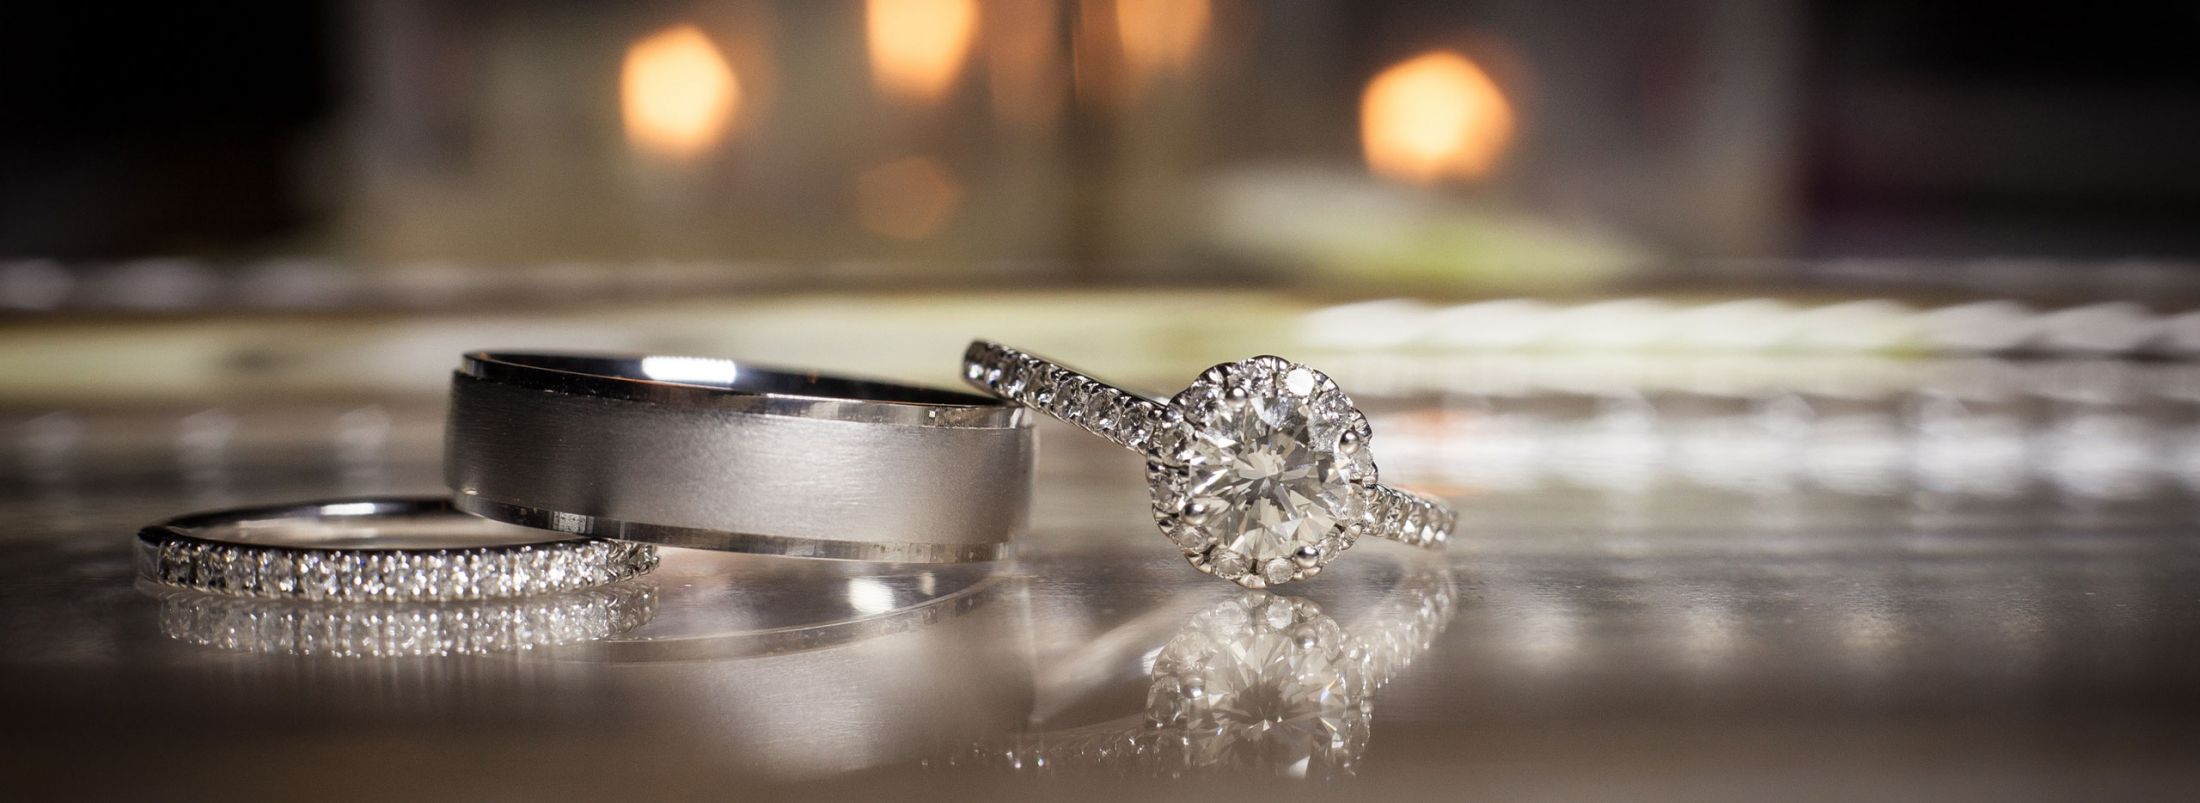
(1261, 470)
(1238, 420)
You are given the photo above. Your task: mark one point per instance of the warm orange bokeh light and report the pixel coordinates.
(1434, 117)
(908, 198)
(677, 92)
(918, 46)
(1160, 35)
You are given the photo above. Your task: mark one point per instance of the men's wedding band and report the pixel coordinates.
(376, 550)
(717, 454)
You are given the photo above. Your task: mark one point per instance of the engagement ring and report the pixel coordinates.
(1261, 470)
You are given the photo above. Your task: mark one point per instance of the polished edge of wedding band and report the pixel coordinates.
(1209, 447)
(273, 555)
(717, 454)
(739, 386)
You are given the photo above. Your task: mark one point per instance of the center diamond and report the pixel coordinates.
(1265, 468)
(1271, 477)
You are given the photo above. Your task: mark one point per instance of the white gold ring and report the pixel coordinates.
(732, 456)
(1261, 470)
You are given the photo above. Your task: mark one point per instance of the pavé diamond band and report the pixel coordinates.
(376, 550)
(347, 630)
(714, 454)
(1260, 470)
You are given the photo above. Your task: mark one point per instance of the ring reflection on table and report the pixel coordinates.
(806, 669)
(1258, 683)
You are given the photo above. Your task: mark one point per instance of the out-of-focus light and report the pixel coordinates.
(2102, 328)
(1024, 60)
(1432, 118)
(908, 198)
(1390, 323)
(1160, 35)
(918, 46)
(1618, 325)
(1493, 325)
(1980, 327)
(35, 284)
(1744, 325)
(1869, 325)
(677, 92)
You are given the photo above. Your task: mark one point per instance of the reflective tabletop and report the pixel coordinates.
(1653, 597)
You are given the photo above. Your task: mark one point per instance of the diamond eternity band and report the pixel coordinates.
(388, 550)
(1260, 470)
(345, 630)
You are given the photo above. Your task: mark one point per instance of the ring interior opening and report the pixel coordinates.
(731, 375)
(450, 531)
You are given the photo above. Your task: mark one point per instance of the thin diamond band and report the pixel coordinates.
(345, 630)
(1260, 469)
(372, 551)
(1126, 419)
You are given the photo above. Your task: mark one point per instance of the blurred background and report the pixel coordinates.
(1816, 379)
(1510, 216)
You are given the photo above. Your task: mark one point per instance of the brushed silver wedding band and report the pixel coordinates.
(716, 454)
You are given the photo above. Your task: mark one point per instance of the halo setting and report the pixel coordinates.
(1260, 470)
(1269, 474)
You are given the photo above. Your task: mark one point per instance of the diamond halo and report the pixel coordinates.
(1260, 470)
(1270, 475)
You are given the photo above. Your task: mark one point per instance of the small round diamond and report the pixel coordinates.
(1187, 536)
(1231, 565)
(1098, 413)
(1277, 571)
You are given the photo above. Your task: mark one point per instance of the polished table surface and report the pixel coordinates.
(1650, 603)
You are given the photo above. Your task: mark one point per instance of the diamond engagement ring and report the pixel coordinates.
(376, 550)
(1260, 470)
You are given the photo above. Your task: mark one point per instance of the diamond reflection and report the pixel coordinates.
(1261, 682)
(1255, 685)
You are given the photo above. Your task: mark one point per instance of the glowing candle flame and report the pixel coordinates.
(918, 46)
(1434, 117)
(678, 92)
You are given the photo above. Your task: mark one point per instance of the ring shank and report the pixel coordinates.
(1127, 419)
